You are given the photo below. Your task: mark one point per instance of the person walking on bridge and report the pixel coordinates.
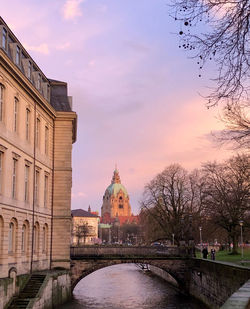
(213, 254)
(204, 253)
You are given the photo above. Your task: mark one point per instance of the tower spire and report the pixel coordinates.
(116, 176)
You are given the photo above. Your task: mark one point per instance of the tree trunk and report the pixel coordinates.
(235, 243)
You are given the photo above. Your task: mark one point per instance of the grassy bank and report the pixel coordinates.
(226, 256)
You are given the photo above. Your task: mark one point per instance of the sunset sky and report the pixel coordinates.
(137, 95)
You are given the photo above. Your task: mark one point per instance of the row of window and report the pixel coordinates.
(27, 196)
(27, 125)
(26, 238)
(17, 55)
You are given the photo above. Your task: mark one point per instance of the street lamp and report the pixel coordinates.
(173, 239)
(200, 228)
(241, 224)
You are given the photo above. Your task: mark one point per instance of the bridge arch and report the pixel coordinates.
(82, 268)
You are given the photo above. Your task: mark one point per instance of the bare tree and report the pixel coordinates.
(171, 197)
(81, 231)
(237, 127)
(227, 194)
(219, 30)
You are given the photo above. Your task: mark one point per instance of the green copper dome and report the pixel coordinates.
(115, 188)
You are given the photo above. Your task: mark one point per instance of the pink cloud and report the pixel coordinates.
(71, 9)
(42, 48)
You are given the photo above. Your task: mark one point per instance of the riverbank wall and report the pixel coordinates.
(55, 290)
(163, 274)
(11, 286)
(212, 283)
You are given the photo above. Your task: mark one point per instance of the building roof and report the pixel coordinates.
(115, 187)
(133, 219)
(82, 213)
(58, 96)
(55, 92)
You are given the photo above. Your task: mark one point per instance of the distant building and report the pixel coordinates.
(84, 227)
(37, 129)
(115, 200)
(116, 210)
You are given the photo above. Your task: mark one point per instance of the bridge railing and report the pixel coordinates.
(122, 251)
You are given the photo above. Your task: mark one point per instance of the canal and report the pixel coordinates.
(126, 286)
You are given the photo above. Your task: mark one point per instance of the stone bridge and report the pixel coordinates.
(209, 281)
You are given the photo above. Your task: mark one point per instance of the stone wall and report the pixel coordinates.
(214, 282)
(163, 274)
(9, 287)
(55, 291)
(62, 189)
(239, 299)
(84, 251)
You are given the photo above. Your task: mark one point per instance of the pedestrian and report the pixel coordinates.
(213, 254)
(204, 253)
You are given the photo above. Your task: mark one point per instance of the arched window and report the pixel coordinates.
(1, 101)
(24, 239)
(45, 239)
(1, 236)
(36, 238)
(11, 237)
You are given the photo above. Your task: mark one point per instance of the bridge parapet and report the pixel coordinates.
(98, 251)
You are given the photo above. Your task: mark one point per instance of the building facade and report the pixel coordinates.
(84, 227)
(37, 129)
(115, 199)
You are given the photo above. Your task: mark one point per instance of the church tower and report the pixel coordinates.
(116, 199)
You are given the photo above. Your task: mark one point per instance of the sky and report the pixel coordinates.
(138, 96)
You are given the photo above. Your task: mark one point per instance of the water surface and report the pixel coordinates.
(126, 286)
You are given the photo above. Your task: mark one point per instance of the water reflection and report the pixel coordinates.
(126, 287)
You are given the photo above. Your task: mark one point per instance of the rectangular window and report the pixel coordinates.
(14, 176)
(46, 187)
(38, 132)
(37, 181)
(46, 140)
(4, 39)
(29, 70)
(18, 51)
(27, 124)
(1, 101)
(26, 183)
(15, 114)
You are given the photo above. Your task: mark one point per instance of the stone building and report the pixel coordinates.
(115, 200)
(116, 212)
(37, 129)
(84, 227)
